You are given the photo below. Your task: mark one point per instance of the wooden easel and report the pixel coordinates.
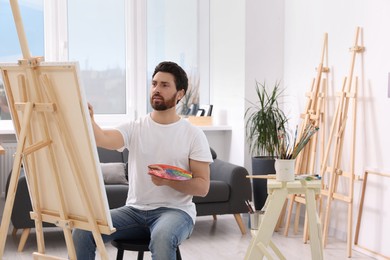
(360, 212)
(314, 113)
(331, 164)
(36, 111)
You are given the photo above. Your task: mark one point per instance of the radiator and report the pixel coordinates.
(6, 164)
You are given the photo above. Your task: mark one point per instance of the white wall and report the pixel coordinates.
(305, 24)
(227, 69)
(264, 53)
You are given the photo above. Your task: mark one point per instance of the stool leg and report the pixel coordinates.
(140, 255)
(119, 255)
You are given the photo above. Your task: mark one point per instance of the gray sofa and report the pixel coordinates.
(229, 188)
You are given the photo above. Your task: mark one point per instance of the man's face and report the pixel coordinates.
(163, 94)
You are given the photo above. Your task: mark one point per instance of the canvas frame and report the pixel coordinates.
(56, 142)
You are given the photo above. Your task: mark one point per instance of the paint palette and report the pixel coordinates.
(169, 172)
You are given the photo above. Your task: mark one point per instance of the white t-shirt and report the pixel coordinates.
(151, 143)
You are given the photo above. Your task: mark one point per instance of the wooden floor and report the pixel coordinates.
(220, 239)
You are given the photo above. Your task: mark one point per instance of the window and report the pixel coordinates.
(97, 40)
(131, 38)
(10, 51)
(172, 34)
(117, 44)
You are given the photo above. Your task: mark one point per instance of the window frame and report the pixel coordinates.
(56, 49)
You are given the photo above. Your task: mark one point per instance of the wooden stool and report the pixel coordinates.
(140, 246)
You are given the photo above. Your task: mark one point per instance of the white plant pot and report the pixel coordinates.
(285, 170)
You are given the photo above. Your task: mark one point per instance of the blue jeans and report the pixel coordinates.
(166, 228)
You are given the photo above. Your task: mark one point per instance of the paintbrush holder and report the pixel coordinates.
(255, 219)
(285, 169)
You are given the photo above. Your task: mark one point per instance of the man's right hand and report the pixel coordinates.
(90, 109)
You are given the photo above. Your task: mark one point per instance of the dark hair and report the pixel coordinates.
(178, 73)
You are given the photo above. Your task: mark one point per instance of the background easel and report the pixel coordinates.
(383, 178)
(56, 144)
(331, 170)
(314, 113)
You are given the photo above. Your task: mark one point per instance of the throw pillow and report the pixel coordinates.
(114, 173)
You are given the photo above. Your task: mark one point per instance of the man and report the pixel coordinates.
(158, 208)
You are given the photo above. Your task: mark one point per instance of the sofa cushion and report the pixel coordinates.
(114, 173)
(219, 192)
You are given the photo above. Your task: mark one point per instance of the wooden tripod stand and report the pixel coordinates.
(314, 113)
(331, 169)
(56, 144)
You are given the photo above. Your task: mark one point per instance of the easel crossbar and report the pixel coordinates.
(38, 107)
(78, 221)
(36, 147)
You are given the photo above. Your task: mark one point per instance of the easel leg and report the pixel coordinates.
(289, 213)
(69, 243)
(100, 245)
(305, 229)
(5, 222)
(279, 224)
(297, 217)
(349, 239)
(39, 235)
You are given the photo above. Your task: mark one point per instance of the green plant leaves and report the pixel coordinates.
(264, 120)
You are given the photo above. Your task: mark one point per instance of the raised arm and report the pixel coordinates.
(106, 138)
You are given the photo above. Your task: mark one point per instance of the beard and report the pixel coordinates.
(163, 104)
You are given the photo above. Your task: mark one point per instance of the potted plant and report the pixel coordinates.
(265, 120)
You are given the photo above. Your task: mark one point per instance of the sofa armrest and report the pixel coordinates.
(235, 176)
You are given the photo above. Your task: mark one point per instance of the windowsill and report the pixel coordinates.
(7, 128)
(216, 127)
